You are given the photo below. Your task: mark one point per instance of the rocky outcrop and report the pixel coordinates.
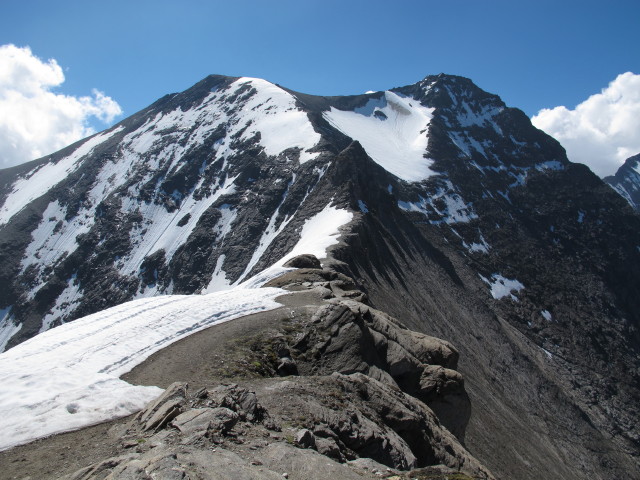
(348, 336)
(303, 261)
(224, 432)
(342, 384)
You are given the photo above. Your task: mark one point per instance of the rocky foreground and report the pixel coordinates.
(325, 386)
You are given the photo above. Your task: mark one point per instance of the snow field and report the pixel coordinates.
(68, 377)
(273, 113)
(393, 132)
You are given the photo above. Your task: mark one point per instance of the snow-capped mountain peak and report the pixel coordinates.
(448, 208)
(626, 181)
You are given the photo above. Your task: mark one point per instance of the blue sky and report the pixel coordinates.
(534, 55)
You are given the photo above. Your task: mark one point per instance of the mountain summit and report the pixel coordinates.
(626, 181)
(447, 208)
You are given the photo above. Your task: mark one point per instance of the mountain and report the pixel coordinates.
(626, 181)
(456, 216)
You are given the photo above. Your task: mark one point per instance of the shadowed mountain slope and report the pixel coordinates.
(467, 223)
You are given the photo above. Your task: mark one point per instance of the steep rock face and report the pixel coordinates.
(528, 265)
(626, 181)
(468, 223)
(186, 196)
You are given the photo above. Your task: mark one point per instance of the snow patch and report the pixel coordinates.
(7, 328)
(68, 377)
(482, 247)
(44, 177)
(484, 117)
(273, 113)
(363, 206)
(219, 280)
(550, 165)
(317, 234)
(502, 287)
(448, 206)
(64, 304)
(393, 131)
(547, 315)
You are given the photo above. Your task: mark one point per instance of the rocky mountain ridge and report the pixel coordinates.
(474, 228)
(626, 181)
(323, 383)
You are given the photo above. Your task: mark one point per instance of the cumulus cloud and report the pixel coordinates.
(34, 120)
(601, 132)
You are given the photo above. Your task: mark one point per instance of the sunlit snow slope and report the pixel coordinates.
(393, 131)
(68, 377)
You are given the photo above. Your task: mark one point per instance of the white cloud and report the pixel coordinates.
(34, 121)
(601, 132)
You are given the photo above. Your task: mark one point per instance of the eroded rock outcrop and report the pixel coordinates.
(338, 386)
(348, 336)
(225, 431)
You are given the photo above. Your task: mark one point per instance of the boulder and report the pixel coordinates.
(303, 261)
(329, 448)
(305, 439)
(239, 400)
(163, 415)
(287, 367)
(165, 408)
(201, 420)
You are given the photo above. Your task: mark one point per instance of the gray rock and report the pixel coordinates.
(324, 431)
(287, 367)
(436, 380)
(443, 390)
(192, 463)
(200, 420)
(348, 336)
(164, 414)
(329, 448)
(305, 439)
(323, 292)
(164, 408)
(367, 465)
(305, 464)
(102, 469)
(362, 417)
(303, 261)
(222, 419)
(239, 400)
